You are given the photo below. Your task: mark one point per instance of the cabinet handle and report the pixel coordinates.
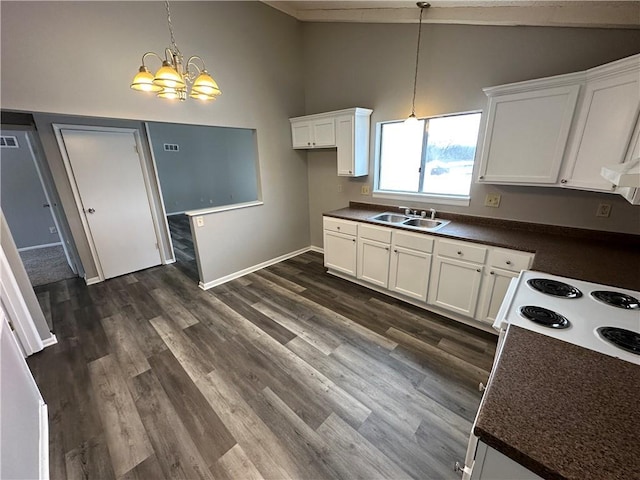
(508, 262)
(386, 248)
(350, 171)
(478, 270)
(491, 273)
(314, 143)
(564, 180)
(353, 240)
(481, 177)
(395, 250)
(459, 252)
(338, 228)
(308, 143)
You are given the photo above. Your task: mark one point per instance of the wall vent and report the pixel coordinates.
(171, 147)
(7, 141)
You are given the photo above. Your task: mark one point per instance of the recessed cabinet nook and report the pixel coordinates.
(346, 130)
(461, 280)
(561, 131)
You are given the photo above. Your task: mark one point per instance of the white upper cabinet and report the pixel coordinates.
(527, 129)
(604, 124)
(314, 133)
(348, 130)
(561, 131)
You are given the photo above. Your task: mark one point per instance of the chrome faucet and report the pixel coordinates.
(433, 213)
(408, 211)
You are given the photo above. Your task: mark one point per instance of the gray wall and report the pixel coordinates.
(214, 165)
(371, 65)
(22, 196)
(254, 53)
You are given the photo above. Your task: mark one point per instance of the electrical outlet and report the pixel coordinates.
(365, 190)
(604, 210)
(53, 230)
(339, 188)
(200, 221)
(492, 200)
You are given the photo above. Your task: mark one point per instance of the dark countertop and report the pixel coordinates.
(600, 257)
(562, 411)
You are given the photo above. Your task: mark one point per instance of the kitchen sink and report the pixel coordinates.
(418, 223)
(389, 218)
(425, 223)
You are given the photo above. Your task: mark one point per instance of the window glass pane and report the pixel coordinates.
(451, 149)
(400, 155)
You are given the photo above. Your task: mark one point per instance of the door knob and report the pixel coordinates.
(91, 210)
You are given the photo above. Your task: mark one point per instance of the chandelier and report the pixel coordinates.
(172, 79)
(412, 118)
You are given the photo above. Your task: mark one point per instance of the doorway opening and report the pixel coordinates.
(183, 248)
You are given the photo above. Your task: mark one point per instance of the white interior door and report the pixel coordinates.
(108, 175)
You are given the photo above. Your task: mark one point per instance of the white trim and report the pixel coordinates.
(92, 280)
(44, 441)
(313, 248)
(240, 273)
(423, 198)
(17, 309)
(445, 313)
(52, 340)
(163, 211)
(224, 208)
(36, 247)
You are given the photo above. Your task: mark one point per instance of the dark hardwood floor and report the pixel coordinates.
(183, 249)
(284, 373)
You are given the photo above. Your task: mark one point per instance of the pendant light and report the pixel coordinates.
(172, 79)
(412, 119)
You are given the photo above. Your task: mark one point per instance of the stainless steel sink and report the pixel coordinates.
(389, 218)
(424, 223)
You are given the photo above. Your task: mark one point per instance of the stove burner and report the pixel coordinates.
(545, 317)
(625, 339)
(616, 299)
(554, 287)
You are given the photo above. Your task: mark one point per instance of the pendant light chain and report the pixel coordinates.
(422, 6)
(173, 39)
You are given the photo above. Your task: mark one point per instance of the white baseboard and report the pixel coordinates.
(36, 247)
(233, 276)
(313, 248)
(169, 261)
(44, 441)
(92, 280)
(52, 340)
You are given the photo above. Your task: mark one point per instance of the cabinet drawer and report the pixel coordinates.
(462, 251)
(509, 259)
(338, 225)
(414, 241)
(370, 232)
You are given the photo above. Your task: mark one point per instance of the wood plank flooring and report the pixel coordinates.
(287, 372)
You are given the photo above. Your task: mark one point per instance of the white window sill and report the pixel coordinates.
(462, 201)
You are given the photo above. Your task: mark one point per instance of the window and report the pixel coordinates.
(431, 158)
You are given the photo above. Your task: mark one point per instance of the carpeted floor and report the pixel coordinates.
(46, 265)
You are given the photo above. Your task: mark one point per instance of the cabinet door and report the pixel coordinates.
(526, 135)
(324, 132)
(373, 262)
(455, 285)
(340, 252)
(344, 141)
(604, 127)
(301, 134)
(409, 272)
(494, 288)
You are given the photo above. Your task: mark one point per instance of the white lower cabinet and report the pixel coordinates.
(374, 245)
(467, 279)
(410, 264)
(340, 245)
(490, 464)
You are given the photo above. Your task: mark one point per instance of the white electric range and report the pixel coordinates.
(598, 317)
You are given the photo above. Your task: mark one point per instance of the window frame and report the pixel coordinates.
(443, 199)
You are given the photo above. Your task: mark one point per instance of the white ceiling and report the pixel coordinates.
(572, 13)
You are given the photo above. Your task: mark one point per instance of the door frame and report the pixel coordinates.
(57, 129)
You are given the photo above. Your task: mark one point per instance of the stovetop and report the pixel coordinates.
(585, 314)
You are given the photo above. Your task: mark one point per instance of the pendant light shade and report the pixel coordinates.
(412, 119)
(143, 81)
(172, 79)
